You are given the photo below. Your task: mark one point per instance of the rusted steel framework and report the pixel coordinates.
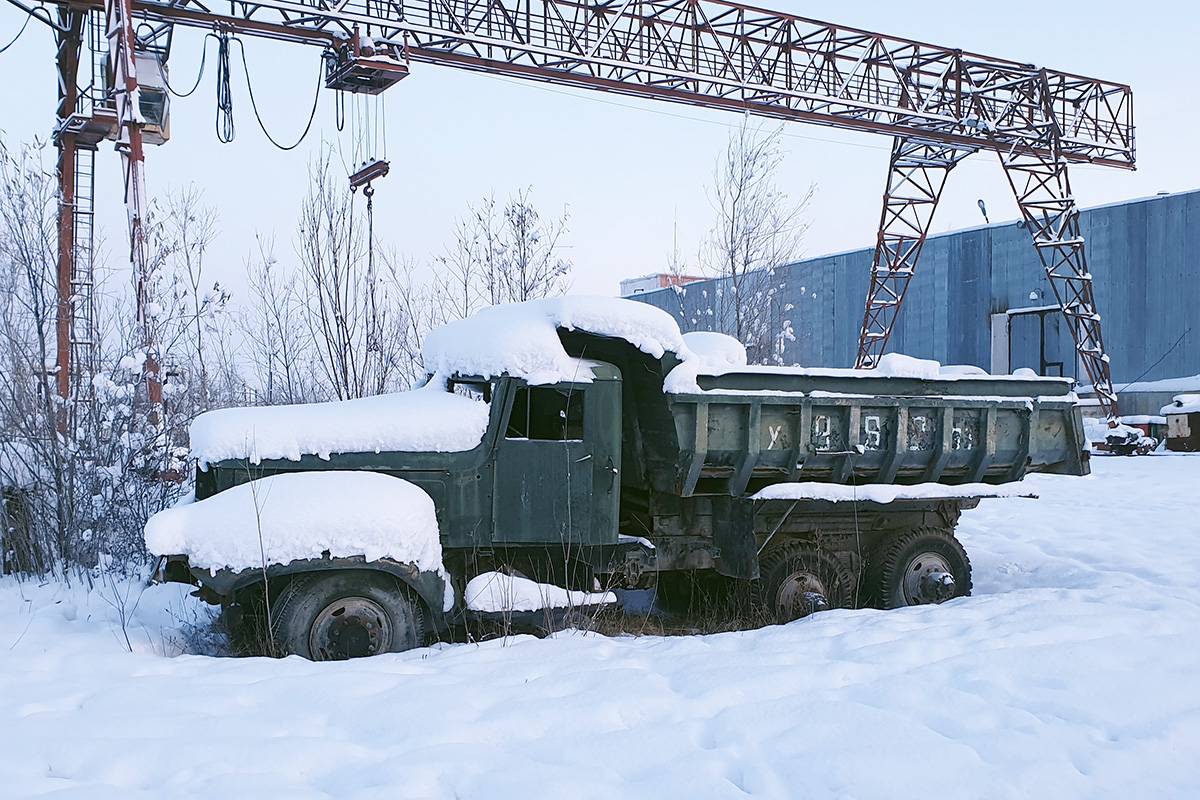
(1043, 189)
(119, 29)
(69, 37)
(715, 54)
(917, 176)
(936, 102)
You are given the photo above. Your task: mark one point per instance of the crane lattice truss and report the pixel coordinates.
(938, 104)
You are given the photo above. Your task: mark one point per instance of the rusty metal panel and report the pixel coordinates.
(1183, 433)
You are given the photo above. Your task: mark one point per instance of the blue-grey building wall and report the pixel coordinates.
(1143, 256)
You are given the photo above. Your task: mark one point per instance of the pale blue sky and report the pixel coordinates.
(630, 171)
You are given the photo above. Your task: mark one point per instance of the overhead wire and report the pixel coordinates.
(1170, 350)
(18, 36)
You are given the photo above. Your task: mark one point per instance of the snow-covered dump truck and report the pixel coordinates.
(584, 443)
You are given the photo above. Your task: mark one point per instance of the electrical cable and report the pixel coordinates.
(1156, 363)
(224, 123)
(203, 58)
(254, 105)
(18, 36)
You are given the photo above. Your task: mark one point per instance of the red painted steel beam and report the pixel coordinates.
(717, 55)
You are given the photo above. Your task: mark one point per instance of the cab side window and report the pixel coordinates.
(547, 414)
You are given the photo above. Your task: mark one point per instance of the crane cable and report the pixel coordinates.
(203, 59)
(373, 343)
(224, 122)
(254, 104)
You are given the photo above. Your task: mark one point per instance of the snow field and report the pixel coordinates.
(1069, 674)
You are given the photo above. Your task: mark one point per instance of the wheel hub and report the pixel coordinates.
(801, 594)
(352, 627)
(928, 580)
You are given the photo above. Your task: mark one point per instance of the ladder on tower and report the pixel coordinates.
(83, 277)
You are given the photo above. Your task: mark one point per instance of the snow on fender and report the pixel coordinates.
(302, 515)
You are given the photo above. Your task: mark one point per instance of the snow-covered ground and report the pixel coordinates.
(1071, 673)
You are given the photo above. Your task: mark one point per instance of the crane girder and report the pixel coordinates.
(721, 55)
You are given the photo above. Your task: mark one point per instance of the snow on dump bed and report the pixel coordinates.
(522, 338)
(498, 592)
(300, 515)
(426, 419)
(887, 493)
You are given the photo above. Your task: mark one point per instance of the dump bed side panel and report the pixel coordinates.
(735, 444)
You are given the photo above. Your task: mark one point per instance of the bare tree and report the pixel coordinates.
(533, 267)
(34, 461)
(506, 255)
(187, 230)
(757, 229)
(470, 267)
(278, 348)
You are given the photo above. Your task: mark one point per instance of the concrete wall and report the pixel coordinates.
(1144, 256)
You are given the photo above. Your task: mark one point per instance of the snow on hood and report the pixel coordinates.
(425, 419)
(521, 339)
(301, 515)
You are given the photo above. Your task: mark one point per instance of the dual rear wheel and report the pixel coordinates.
(921, 566)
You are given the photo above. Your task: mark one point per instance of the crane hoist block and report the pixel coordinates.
(363, 68)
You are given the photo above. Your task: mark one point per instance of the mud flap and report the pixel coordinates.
(733, 535)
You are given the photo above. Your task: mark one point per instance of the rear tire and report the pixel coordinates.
(799, 580)
(341, 615)
(920, 567)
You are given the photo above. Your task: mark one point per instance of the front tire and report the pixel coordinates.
(920, 567)
(342, 615)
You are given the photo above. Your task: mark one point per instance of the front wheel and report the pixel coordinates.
(920, 567)
(341, 615)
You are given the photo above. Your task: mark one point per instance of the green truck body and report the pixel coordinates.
(613, 480)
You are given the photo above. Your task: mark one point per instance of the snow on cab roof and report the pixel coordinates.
(521, 339)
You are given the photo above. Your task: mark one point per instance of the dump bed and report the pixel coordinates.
(750, 428)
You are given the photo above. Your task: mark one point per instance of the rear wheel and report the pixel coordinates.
(920, 567)
(341, 615)
(799, 579)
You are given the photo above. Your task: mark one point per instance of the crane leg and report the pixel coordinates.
(1043, 192)
(917, 175)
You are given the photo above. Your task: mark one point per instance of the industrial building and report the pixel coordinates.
(981, 296)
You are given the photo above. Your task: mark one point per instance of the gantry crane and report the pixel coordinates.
(938, 104)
